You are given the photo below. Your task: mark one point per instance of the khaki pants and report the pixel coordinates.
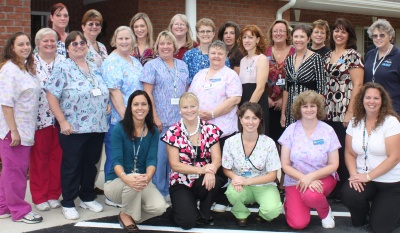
(140, 206)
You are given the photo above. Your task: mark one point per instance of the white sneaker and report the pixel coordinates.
(44, 206)
(329, 221)
(31, 218)
(2, 216)
(110, 203)
(92, 206)
(54, 204)
(219, 208)
(70, 213)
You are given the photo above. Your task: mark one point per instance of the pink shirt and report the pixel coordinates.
(224, 84)
(308, 154)
(19, 90)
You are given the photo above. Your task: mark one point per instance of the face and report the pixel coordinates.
(91, 28)
(140, 29)
(229, 36)
(165, 48)
(340, 36)
(250, 41)
(179, 28)
(22, 47)
(189, 109)
(380, 38)
(372, 100)
(300, 39)
(77, 48)
(60, 18)
(205, 34)
(318, 36)
(279, 33)
(309, 111)
(123, 42)
(217, 57)
(250, 122)
(139, 107)
(48, 44)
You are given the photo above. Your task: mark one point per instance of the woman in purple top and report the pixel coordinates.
(309, 159)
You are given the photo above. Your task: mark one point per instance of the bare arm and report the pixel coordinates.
(285, 97)
(8, 113)
(237, 69)
(55, 108)
(357, 78)
(118, 101)
(261, 79)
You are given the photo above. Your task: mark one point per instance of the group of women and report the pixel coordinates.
(60, 103)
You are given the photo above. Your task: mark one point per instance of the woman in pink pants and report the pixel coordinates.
(309, 159)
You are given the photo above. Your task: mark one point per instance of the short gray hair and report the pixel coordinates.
(43, 32)
(219, 45)
(119, 29)
(381, 25)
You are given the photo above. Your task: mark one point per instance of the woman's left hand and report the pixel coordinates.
(108, 110)
(205, 115)
(304, 182)
(209, 181)
(316, 185)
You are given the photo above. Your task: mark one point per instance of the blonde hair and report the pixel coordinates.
(189, 35)
(145, 17)
(167, 35)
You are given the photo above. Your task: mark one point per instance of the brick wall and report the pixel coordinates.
(15, 16)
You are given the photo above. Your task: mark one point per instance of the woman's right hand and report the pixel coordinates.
(15, 138)
(270, 103)
(158, 123)
(136, 182)
(65, 128)
(209, 168)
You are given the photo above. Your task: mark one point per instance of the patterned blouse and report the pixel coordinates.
(61, 48)
(276, 69)
(175, 136)
(19, 90)
(309, 76)
(73, 87)
(44, 71)
(197, 61)
(143, 58)
(339, 85)
(94, 56)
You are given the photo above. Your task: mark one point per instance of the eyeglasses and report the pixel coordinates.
(205, 32)
(80, 43)
(279, 31)
(179, 24)
(94, 24)
(376, 36)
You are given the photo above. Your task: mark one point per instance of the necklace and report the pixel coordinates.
(249, 68)
(374, 67)
(136, 152)
(184, 129)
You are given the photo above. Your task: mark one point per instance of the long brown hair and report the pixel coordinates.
(9, 54)
(385, 110)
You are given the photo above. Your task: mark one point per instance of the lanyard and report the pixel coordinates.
(90, 78)
(135, 153)
(374, 67)
(47, 71)
(170, 72)
(365, 147)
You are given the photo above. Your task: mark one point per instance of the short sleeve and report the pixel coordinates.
(56, 82)
(350, 128)
(7, 87)
(355, 60)
(392, 126)
(172, 136)
(334, 141)
(273, 162)
(287, 136)
(112, 73)
(213, 134)
(233, 84)
(149, 73)
(227, 156)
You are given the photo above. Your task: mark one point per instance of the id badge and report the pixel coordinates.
(207, 86)
(174, 101)
(246, 173)
(280, 82)
(96, 92)
(318, 142)
(193, 176)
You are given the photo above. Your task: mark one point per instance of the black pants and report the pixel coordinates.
(81, 152)
(340, 131)
(384, 210)
(184, 202)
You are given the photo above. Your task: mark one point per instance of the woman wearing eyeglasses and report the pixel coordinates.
(372, 159)
(179, 26)
(197, 58)
(382, 65)
(91, 27)
(78, 99)
(58, 21)
(144, 41)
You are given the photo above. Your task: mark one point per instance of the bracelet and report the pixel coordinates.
(368, 177)
(212, 114)
(122, 173)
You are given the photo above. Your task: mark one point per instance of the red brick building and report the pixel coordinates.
(16, 15)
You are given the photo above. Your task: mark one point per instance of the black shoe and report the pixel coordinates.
(259, 219)
(130, 228)
(241, 222)
(203, 221)
(98, 191)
